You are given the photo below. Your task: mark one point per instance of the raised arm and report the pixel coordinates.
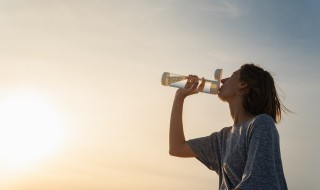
(178, 145)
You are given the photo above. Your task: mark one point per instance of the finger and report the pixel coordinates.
(195, 84)
(194, 78)
(188, 83)
(201, 86)
(189, 77)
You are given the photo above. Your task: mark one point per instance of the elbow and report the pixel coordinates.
(182, 151)
(173, 152)
(179, 150)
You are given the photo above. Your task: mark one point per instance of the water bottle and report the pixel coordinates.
(179, 81)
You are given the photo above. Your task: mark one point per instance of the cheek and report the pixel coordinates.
(227, 93)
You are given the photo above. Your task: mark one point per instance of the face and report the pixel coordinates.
(229, 86)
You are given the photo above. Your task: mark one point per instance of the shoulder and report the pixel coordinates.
(220, 135)
(263, 118)
(225, 130)
(261, 124)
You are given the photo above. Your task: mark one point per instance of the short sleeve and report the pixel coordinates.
(207, 150)
(263, 168)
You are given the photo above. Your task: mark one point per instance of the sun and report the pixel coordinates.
(30, 129)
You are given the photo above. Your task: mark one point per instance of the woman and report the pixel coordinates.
(246, 155)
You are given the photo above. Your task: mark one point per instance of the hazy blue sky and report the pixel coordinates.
(96, 66)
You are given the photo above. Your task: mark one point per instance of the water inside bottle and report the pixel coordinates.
(169, 79)
(179, 81)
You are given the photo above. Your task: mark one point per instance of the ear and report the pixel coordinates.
(242, 85)
(242, 88)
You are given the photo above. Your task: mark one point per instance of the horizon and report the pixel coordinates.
(82, 105)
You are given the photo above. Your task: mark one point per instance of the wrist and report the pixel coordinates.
(180, 96)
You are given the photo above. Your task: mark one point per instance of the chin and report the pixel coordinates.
(220, 95)
(223, 97)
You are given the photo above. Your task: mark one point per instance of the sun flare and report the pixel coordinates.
(30, 129)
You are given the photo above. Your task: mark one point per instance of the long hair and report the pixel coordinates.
(262, 96)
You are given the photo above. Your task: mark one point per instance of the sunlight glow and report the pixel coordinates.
(30, 129)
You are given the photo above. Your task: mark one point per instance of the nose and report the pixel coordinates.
(224, 80)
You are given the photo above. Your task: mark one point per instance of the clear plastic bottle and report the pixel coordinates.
(179, 81)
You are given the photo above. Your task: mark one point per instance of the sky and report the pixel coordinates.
(81, 102)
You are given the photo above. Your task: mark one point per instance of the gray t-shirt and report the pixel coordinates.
(245, 156)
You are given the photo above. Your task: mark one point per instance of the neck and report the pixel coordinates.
(238, 113)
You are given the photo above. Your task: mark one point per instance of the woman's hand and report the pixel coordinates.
(191, 87)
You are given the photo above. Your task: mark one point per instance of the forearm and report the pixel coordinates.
(177, 142)
(176, 133)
